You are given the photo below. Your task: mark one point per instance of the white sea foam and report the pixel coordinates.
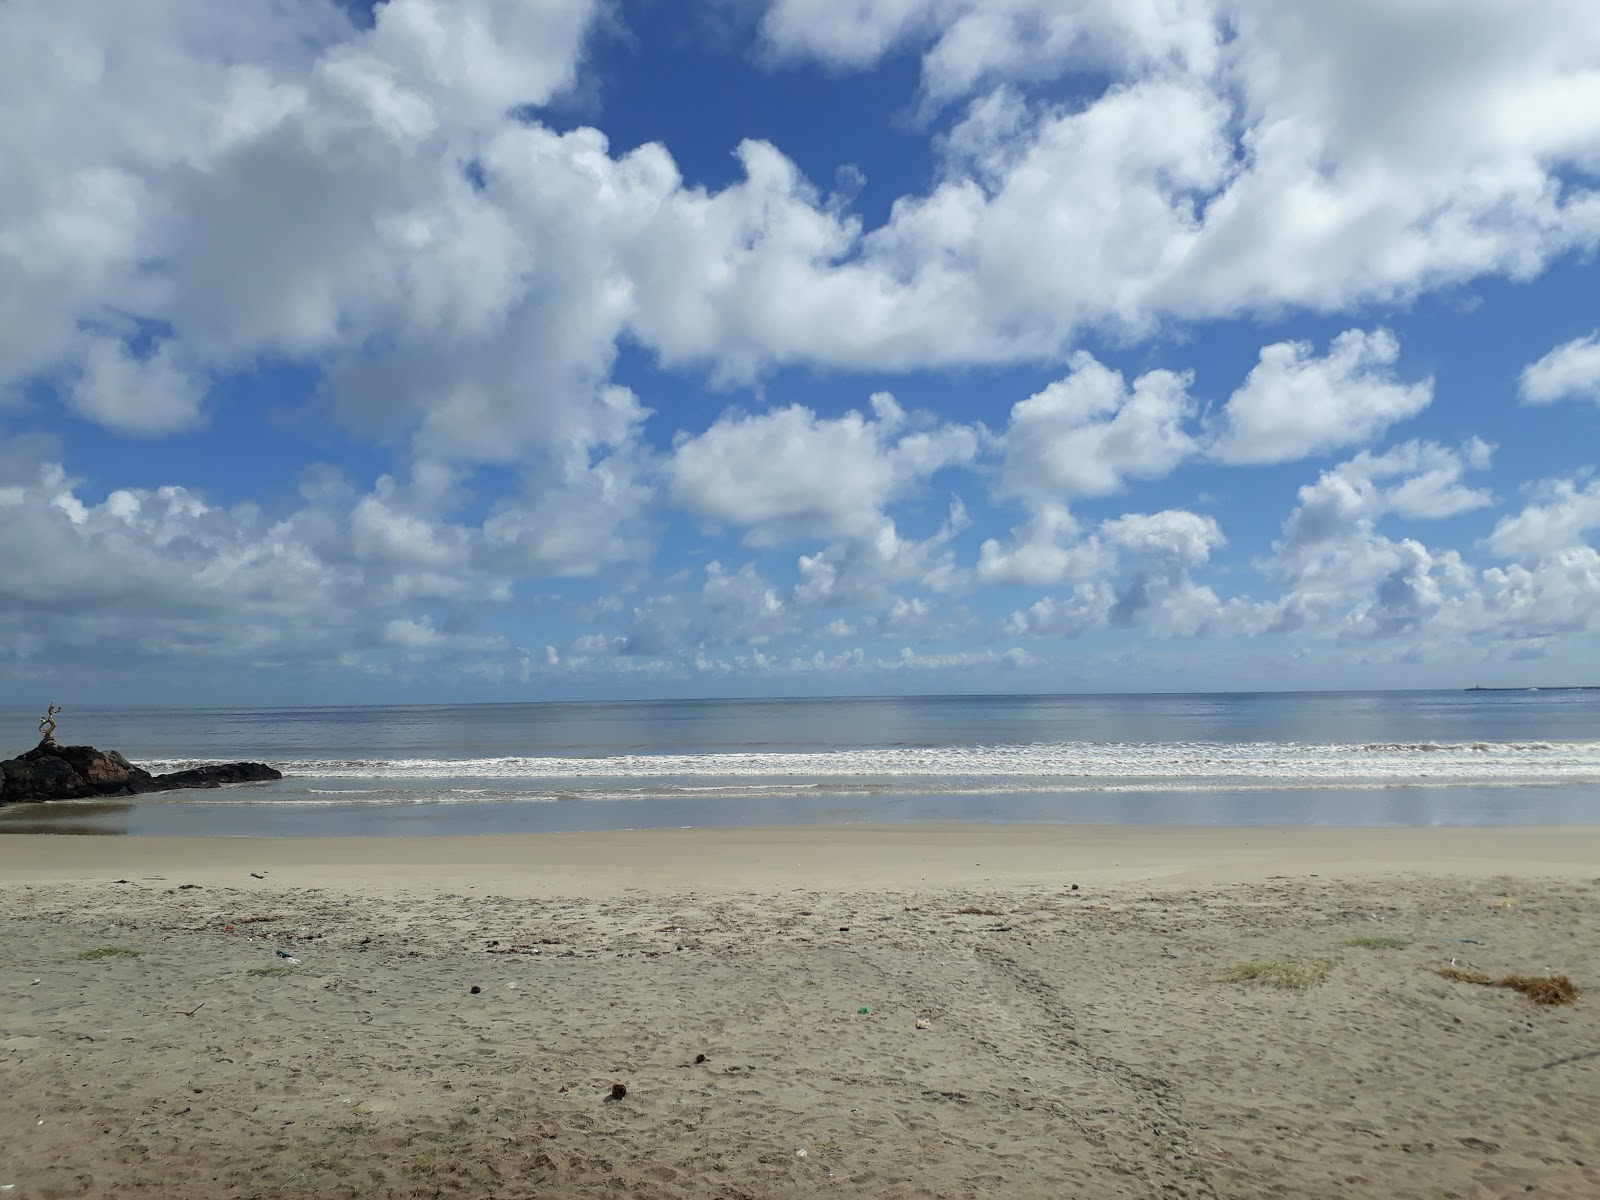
(1070, 766)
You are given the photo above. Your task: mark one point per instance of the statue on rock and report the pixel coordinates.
(52, 772)
(47, 725)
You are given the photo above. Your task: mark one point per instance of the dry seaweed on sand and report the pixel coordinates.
(1541, 989)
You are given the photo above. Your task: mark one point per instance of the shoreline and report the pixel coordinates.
(842, 857)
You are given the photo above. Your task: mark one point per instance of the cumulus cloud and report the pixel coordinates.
(1150, 585)
(970, 41)
(865, 571)
(149, 395)
(1294, 404)
(1047, 549)
(1262, 154)
(159, 575)
(169, 181)
(1557, 521)
(277, 183)
(791, 473)
(1570, 371)
(1418, 479)
(1088, 433)
(195, 191)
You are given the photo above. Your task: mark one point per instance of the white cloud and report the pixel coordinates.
(1559, 594)
(159, 576)
(571, 520)
(471, 274)
(1262, 154)
(273, 182)
(1293, 405)
(1152, 584)
(1088, 433)
(1158, 591)
(741, 606)
(1048, 549)
(1081, 610)
(1570, 371)
(791, 473)
(975, 40)
(1556, 522)
(195, 191)
(148, 395)
(1405, 597)
(1354, 495)
(864, 571)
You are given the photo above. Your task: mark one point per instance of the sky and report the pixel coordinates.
(448, 350)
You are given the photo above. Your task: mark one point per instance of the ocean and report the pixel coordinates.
(1311, 758)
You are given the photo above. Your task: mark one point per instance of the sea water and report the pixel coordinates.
(1337, 759)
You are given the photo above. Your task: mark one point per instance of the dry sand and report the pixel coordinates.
(1078, 1043)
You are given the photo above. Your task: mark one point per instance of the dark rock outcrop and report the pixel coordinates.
(52, 772)
(221, 773)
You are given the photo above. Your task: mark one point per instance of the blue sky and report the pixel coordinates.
(492, 349)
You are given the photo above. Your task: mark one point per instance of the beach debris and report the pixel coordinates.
(1505, 904)
(844, 929)
(1541, 989)
(618, 1091)
(699, 1058)
(864, 1011)
(190, 1012)
(1462, 941)
(188, 887)
(800, 1153)
(924, 1023)
(258, 874)
(1074, 887)
(476, 989)
(35, 983)
(288, 958)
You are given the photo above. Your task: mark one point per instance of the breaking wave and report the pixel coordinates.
(1062, 766)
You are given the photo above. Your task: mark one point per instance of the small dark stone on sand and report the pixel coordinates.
(699, 1058)
(476, 989)
(844, 929)
(618, 1090)
(1074, 887)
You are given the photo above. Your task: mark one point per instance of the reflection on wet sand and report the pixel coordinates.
(68, 818)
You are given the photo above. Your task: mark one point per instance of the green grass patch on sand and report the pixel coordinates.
(109, 952)
(1299, 973)
(273, 971)
(1378, 943)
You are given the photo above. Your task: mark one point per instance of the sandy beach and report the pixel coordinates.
(877, 1011)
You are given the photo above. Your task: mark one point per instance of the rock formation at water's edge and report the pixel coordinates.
(52, 772)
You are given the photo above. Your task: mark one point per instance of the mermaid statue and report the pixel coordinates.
(47, 726)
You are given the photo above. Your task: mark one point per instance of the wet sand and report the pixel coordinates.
(1022, 1036)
